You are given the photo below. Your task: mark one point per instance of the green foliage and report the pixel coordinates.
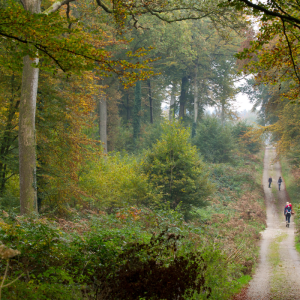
(116, 182)
(98, 254)
(226, 177)
(42, 291)
(214, 141)
(239, 130)
(150, 133)
(48, 36)
(174, 169)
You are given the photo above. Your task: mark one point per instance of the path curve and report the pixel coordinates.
(278, 273)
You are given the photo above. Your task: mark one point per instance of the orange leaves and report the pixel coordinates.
(275, 57)
(84, 46)
(131, 213)
(65, 115)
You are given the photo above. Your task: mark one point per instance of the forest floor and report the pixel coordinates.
(277, 275)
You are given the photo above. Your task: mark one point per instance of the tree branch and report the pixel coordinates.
(104, 6)
(68, 15)
(4, 277)
(56, 6)
(290, 50)
(270, 12)
(5, 285)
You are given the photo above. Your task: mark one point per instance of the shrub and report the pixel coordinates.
(175, 169)
(113, 258)
(214, 141)
(116, 182)
(239, 130)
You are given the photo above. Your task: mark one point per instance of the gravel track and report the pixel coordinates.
(277, 275)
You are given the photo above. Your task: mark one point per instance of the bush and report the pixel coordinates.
(116, 182)
(239, 130)
(150, 133)
(175, 169)
(214, 141)
(113, 257)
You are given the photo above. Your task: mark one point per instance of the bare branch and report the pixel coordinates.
(104, 6)
(5, 285)
(268, 12)
(4, 277)
(68, 15)
(56, 6)
(290, 50)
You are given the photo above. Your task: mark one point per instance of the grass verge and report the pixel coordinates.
(290, 181)
(278, 283)
(293, 190)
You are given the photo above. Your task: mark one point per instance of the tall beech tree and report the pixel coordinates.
(27, 155)
(48, 35)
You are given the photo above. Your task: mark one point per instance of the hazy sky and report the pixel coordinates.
(242, 102)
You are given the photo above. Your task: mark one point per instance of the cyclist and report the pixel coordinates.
(287, 213)
(289, 204)
(270, 181)
(279, 182)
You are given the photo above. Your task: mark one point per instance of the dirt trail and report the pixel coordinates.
(278, 273)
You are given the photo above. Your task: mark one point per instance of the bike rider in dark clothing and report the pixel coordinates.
(270, 181)
(288, 212)
(279, 182)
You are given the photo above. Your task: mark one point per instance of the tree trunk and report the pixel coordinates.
(128, 109)
(27, 156)
(196, 95)
(150, 101)
(103, 122)
(7, 141)
(223, 112)
(195, 102)
(137, 111)
(172, 103)
(183, 94)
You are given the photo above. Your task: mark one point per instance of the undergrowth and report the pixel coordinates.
(138, 252)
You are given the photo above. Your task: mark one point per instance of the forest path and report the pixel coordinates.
(278, 273)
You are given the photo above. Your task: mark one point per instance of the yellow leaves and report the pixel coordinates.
(117, 182)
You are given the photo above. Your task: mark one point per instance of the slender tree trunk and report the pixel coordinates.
(183, 94)
(3, 181)
(103, 122)
(223, 112)
(7, 141)
(150, 101)
(172, 103)
(127, 108)
(196, 95)
(137, 110)
(195, 102)
(27, 156)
